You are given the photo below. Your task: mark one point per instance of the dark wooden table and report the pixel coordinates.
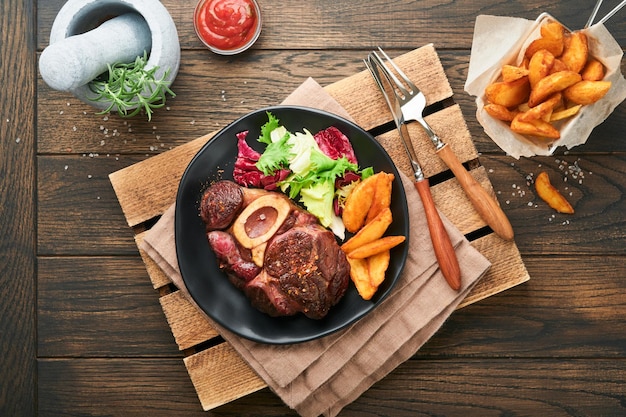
(81, 330)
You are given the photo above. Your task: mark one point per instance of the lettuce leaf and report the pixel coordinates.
(276, 155)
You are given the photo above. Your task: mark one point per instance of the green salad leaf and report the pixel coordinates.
(313, 173)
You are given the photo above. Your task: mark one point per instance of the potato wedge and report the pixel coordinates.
(378, 265)
(539, 66)
(558, 66)
(564, 114)
(555, 46)
(587, 92)
(576, 52)
(358, 204)
(511, 73)
(551, 84)
(382, 195)
(370, 232)
(360, 276)
(542, 110)
(593, 71)
(552, 30)
(508, 94)
(376, 246)
(500, 112)
(552, 196)
(538, 128)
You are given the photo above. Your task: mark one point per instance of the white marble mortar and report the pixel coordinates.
(81, 44)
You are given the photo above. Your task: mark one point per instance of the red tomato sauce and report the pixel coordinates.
(226, 24)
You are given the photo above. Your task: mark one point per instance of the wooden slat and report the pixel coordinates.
(141, 201)
(157, 276)
(506, 261)
(189, 326)
(220, 376)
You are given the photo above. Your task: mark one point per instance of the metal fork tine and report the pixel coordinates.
(395, 82)
(407, 80)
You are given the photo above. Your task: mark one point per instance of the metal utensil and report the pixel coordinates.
(412, 103)
(607, 16)
(444, 251)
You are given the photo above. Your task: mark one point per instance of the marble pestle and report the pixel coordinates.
(77, 60)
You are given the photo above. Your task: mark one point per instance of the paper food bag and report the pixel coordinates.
(503, 40)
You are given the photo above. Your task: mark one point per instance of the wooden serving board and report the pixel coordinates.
(218, 373)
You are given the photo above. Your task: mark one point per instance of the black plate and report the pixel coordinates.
(210, 287)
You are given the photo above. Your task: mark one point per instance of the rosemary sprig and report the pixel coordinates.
(130, 88)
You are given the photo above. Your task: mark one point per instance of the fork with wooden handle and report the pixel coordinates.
(412, 104)
(444, 251)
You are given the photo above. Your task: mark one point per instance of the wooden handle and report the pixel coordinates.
(486, 206)
(444, 251)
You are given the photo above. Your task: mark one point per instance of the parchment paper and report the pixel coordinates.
(502, 40)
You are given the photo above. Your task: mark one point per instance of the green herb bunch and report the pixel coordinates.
(130, 88)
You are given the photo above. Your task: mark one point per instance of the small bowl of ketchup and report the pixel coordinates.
(227, 27)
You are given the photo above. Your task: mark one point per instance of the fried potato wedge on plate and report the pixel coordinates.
(360, 276)
(382, 195)
(370, 232)
(358, 204)
(376, 246)
(378, 265)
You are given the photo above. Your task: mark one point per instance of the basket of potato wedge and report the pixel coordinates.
(551, 89)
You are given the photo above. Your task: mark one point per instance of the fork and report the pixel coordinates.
(444, 251)
(412, 103)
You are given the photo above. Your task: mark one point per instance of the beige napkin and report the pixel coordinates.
(324, 375)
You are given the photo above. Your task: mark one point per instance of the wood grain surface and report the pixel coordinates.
(82, 332)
